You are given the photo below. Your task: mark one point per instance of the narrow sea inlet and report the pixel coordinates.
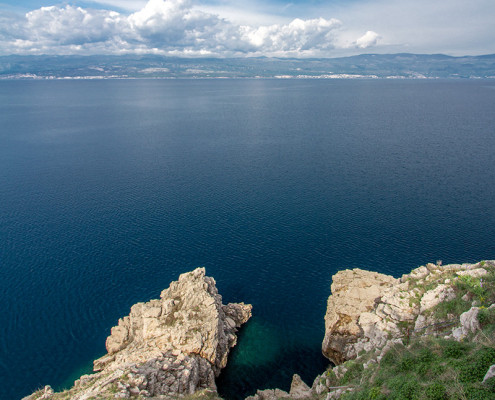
(110, 189)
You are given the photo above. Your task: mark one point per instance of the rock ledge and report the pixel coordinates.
(367, 309)
(174, 345)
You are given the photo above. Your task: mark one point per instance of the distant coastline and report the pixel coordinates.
(366, 66)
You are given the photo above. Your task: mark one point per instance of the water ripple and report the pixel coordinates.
(105, 203)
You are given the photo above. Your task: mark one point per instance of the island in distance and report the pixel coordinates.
(398, 66)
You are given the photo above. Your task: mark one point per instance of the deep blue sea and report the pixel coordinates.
(110, 189)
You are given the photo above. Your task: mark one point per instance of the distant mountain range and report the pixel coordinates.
(416, 66)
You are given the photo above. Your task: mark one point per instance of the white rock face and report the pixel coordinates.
(174, 345)
(189, 317)
(418, 273)
(490, 373)
(435, 296)
(475, 273)
(45, 393)
(354, 293)
(469, 321)
(298, 389)
(367, 309)
(269, 394)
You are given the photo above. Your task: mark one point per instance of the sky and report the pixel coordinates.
(241, 28)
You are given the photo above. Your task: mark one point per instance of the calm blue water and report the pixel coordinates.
(110, 189)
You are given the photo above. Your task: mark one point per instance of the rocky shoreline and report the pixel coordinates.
(176, 346)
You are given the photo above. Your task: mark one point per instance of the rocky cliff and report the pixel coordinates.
(354, 294)
(428, 334)
(368, 309)
(174, 345)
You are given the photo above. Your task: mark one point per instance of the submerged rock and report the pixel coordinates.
(174, 345)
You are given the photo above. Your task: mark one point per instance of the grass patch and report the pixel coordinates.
(354, 370)
(486, 317)
(481, 289)
(428, 368)
(455, 307)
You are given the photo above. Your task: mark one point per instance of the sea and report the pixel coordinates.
(110, 189)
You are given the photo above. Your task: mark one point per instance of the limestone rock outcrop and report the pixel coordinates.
(178, 344)
(174, 345)
(42, 394)
(367, 309)
(354, 293)
(490, 373)
(298, 391)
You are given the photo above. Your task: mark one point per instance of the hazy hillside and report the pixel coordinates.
(149, 66)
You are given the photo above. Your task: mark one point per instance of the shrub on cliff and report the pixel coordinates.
(428, 368)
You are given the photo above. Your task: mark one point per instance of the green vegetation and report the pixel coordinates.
(428, 368)
(480, 289)
(455, 307)
(467, 290)
(422, 366)
(486, 317)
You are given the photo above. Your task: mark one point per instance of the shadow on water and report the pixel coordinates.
(265, 358)
(77, 373)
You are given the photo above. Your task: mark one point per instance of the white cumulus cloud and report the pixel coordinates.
(297, 36)
(72, 25)
(370, 38)
(170, 27)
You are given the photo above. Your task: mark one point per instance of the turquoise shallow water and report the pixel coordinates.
(110, 189)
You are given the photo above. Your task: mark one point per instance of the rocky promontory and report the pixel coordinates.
(175, 345)
(426, 335)
(368, 309)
